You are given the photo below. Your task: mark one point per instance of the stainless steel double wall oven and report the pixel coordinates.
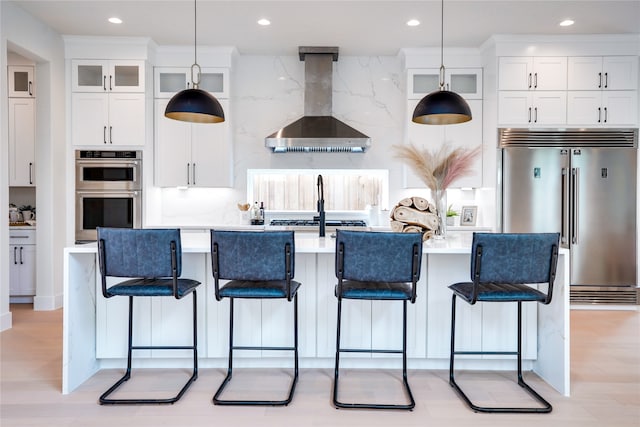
(108, 191)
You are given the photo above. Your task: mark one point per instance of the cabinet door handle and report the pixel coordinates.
(529, 114)
(194, 174)
(529, 80)
(535, 81)
(21, 248)
(30, 91)
(30, 173)
(606, 114)
(15, 257)
(104, 134)
(110, 134)
(599, 80)
(535, 115)
(188, 174)
(599, 114)
(104, 83)
(606, 80)
(110, 82)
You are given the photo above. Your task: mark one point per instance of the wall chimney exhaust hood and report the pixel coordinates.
(318, 130)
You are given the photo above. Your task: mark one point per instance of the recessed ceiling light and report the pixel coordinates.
(115, 20)
(567, 23)
(264, 22)
(413, 22)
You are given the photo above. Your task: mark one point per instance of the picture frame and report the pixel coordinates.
(468, 215)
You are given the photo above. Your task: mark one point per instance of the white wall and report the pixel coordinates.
(36, 41)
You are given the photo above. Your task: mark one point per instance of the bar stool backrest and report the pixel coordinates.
(253, 255)
(378, 256)
(516, 258)
(139, 252)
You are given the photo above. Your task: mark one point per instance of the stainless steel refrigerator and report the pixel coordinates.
(581, 183)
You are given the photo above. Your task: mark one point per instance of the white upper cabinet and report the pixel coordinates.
(170, 80)
(532, 73)
(22, 142)
(108, 119)
(107, 76)
(466, 82)
(192, 154)
(596, 108)
(21, 83)
(603, 73)
(108, 102)
(524, 108)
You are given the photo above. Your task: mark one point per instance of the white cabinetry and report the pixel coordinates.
(108, 103)
(107, 76)
(170, 80)
(466, 82)
(22, 142)
(601, 108)
(532, 73)
(603, 73)
(522, 108)
(21, 83)
(603, 91)
(467, 135)
(532, 91)
(22, 266)
(192, 154)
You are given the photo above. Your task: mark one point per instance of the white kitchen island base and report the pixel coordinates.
(94, 330)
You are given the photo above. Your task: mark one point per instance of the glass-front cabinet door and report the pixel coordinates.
(170, 80)
(108, 76)
(467, 82)
(21, 83)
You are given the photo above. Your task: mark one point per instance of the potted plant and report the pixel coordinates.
(451, 214)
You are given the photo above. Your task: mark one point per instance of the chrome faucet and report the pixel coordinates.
(321, 214)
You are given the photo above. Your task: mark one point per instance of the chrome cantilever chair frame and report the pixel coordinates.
(268, 275)
(377, 276)
(502, 268)
(145, 253)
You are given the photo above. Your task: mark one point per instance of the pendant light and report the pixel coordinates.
(442, 107)
(194, 105)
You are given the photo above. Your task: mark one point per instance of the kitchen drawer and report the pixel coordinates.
(22, 237)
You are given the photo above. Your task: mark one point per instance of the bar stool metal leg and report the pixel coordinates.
(546, 408)
(232, 347)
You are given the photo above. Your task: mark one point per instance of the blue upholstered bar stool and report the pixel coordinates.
(376, 266)
(503, 266)
(257, 265)
(152, 262)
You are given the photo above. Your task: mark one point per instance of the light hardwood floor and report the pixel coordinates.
(605, 379)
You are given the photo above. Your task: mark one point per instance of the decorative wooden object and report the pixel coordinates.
(415, 215)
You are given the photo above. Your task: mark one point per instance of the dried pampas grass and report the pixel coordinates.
(438, 170)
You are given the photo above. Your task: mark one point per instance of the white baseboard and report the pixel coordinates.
(6, 321)
(47, 303)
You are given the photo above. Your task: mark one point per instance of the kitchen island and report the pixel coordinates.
(95, 328)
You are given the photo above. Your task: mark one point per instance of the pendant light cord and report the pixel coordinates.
(195, 65)
(442, 45)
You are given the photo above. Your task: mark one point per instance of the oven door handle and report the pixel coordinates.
(108, 193)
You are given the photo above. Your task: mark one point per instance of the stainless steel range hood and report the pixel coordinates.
(318, 130)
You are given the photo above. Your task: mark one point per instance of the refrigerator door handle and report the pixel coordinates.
(575, 172)
(564, 225)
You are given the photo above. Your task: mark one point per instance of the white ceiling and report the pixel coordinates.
(358, 27)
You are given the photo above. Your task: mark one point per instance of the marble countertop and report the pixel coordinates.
(199, 242)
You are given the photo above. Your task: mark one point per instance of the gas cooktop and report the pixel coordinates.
(312, 223)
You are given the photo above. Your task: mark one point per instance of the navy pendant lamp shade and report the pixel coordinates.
(441, 107)
(195, 105)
